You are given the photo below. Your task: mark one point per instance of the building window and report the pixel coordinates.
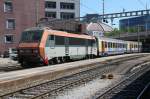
(9, 39)
(50, 14)
(67, 5)
(67, 15)
(8, 6)
(49, 4)
(10, 24)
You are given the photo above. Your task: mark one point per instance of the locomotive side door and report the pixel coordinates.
(66, 46)
(52, 41)
(50, 46)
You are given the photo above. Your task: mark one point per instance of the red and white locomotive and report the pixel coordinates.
(49, 46)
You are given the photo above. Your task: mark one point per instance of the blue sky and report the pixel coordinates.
(111, 6)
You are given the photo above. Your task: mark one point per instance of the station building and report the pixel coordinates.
(62, 9)
(142, 23)
(17, 15)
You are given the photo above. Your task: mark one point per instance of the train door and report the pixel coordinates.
(97, 45)
(67, 46)
(86, 47)
(50, 45)
(130, 48)
(103, 47)
(52, 41)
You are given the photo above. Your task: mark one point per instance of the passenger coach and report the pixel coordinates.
(108, 46)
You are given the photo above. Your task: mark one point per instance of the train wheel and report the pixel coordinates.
(51, 62)
(63, 59)
(55, 61)
(68, 59)
(86, 57)
(58, 61)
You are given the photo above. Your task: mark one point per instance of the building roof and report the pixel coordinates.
(102, 27)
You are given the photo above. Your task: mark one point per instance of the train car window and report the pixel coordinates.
(117, 45)
(111, 45)
(114, 45)
(79, 41)
(59, 40)
(123, 45)
(105, 44)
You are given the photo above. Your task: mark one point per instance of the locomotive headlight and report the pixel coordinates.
(35, 51)
(21, 51)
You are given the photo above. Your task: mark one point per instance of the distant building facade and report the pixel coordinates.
(17, 15)
(62, 9)
(142, 22)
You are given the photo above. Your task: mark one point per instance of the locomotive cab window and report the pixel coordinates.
(31, 36)
(51, 37)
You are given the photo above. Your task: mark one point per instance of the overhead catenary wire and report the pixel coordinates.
(143, 4)
(87, 7)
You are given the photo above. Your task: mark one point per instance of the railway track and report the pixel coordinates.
(52, 88)
(128, 88)
(145, 92)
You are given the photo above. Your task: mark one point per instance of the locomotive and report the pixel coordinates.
(47, 46)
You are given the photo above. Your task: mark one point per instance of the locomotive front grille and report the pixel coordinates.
(28, 51)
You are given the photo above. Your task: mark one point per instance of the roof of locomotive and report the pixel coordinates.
(66, 34)
(60, 33)
(36, 28)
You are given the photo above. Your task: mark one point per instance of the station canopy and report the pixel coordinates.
(101, 27)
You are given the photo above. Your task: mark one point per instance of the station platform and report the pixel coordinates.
(15, 80)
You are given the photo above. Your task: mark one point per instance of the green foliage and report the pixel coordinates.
(117, 32)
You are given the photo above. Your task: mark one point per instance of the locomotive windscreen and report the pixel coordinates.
(31, 36)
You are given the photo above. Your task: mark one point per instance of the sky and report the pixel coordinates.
(112, 6)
